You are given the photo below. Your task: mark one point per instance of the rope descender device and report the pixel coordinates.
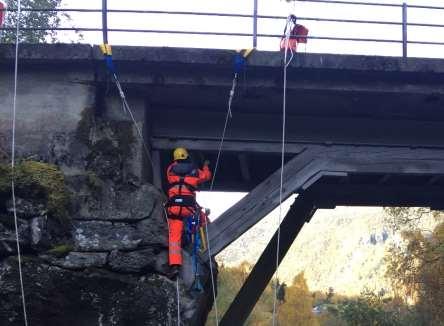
(240, 61)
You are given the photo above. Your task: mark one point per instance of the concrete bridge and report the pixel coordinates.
(360, 130)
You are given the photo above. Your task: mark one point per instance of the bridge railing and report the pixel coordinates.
(403, 23)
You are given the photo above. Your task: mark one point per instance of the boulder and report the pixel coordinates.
(104, 236)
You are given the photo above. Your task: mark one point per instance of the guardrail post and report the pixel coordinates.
(255, 24)
(404, 30)
(105, 21)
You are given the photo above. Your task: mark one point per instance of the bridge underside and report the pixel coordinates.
(360, 130)
(324, 177)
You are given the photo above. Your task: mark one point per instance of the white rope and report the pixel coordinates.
(284, 108)
(177, 279)
(126, 108)
(228, 116)
(14, 207)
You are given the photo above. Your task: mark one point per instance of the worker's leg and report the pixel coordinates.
(175, 241)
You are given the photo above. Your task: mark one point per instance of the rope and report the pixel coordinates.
(228, 116)
(284, 108)
(126, 108)
(14, 107)
(177, 279)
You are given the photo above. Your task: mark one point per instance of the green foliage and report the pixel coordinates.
(368, 310)
(417, 270)
(297, 309)
(37, 181)
(230, 280)
(34, 19)
(60, 250)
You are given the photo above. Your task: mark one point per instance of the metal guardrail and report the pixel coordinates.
(255, 18)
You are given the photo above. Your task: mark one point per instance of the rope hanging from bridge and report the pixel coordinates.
(240, 61)
(288, 27)
(14, 204)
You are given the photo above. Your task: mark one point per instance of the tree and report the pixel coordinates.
(416, 271)
(34, 19)
(297, 310)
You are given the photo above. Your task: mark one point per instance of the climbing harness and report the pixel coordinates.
(194, 236)
(14, 206)
(290, 21)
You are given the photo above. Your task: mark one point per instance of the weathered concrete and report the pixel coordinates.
(332, 99)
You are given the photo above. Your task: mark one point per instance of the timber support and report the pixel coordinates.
(300, 212)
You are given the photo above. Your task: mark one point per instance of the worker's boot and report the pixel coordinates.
(173, 272)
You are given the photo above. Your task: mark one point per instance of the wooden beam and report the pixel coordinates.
(300, 212)
(376, 195)
(206, 145)
(309, 167)
(261, 201)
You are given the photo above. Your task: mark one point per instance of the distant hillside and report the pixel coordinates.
(342, 248)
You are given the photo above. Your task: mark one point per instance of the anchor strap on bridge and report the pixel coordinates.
(300, 212)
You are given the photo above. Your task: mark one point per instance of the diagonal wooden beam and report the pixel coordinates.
(261, 201)
(300, 212)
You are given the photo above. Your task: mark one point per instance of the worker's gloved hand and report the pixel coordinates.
(206, 163)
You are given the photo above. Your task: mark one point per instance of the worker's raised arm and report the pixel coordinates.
(205, 173)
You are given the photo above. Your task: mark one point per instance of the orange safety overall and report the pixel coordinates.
(183, 179)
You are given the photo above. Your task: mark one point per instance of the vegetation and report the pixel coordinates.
(416, 270)
(37, 181)
(34, 19)
(296, 310)
(414, 267)
(60, 250)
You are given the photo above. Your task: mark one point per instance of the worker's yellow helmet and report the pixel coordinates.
(180, 153)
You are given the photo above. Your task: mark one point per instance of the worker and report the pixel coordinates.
(184, 178)
(281, 292)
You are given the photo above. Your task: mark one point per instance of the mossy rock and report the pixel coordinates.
(60, 250)
(38, 181)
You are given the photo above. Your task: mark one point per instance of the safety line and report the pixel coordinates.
(284, 108)
(127, 108)
(228, 116)
(14, 205)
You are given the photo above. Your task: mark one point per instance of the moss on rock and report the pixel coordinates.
(38, 181)
(60, 250)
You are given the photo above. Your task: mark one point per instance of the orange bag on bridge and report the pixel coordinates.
(298, 35)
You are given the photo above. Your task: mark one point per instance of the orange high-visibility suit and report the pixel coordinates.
(183, 179)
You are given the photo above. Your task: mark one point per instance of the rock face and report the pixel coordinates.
(93, 237)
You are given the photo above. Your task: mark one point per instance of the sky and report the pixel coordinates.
(269, 26)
